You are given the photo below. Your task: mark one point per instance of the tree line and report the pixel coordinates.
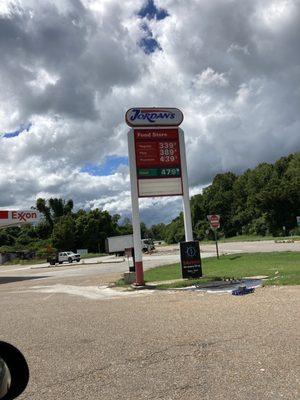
(264, 200)
(64, 229)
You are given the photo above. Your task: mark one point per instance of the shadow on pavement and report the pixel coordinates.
(11, 279)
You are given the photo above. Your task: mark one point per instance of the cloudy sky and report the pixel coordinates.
(70, 69)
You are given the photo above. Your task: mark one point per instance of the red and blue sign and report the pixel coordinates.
(153, 117)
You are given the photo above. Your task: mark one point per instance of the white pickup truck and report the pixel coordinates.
(68, 256)
(63, 256)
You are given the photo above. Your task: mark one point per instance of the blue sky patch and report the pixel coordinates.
(109, 167)
(150, 11)
(148, 43)
(23, 127)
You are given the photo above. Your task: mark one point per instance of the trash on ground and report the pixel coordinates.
(242, 290)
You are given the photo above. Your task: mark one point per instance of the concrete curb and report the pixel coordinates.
(80, 264)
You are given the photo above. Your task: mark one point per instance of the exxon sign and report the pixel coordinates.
(11, 218)
(154, 117)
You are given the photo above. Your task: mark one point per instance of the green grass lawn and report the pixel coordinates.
(282, 268)
(251, 238)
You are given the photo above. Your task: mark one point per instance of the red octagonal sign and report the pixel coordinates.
(214, 221)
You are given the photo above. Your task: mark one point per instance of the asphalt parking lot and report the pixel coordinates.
(83, 340)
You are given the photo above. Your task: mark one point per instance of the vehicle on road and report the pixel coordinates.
(68, 256)
(147, 245)
(118, 244)
(64, 256)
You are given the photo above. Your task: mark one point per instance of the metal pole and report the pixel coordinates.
(136, 224)
(216, 239)
(185, 185)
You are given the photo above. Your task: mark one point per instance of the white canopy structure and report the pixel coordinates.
(18, 217)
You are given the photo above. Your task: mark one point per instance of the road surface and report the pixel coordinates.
(84, 340)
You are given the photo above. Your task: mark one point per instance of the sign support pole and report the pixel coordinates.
(185, 198)
(136, 224)
(216, 240)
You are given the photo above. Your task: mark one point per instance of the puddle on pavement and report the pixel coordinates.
(227, 288)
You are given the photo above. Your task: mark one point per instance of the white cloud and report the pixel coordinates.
(209, 77)
(73, 68)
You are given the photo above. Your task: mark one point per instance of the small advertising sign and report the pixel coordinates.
(190, 259)
(298, 221)
(158, 163)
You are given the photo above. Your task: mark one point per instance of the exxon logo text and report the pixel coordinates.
(151, 115)
(23, 216)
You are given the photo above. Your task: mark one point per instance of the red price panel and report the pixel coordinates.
(157, 148)
(158, 164)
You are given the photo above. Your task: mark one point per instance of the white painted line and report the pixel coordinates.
(15, 269)
(90, 292)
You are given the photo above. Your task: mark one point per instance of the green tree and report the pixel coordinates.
(45, 210)
(6, 239)
(126, 227)
(63, 235)
(157, 231)
(218, 199)
(54, 208)
(174, 231)
(93, 227)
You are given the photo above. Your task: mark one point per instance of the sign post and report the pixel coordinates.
(216, 240)
(214, 221)
(186, 197)
(158, 167)
(136, 223)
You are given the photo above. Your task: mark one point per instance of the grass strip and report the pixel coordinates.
(282, 268)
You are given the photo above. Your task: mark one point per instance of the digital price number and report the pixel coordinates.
(170, 172)
(168, 152)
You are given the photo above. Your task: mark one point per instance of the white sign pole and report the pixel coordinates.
(136, 225)
(186, 197)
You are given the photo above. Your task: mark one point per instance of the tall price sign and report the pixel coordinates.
(157, 164)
